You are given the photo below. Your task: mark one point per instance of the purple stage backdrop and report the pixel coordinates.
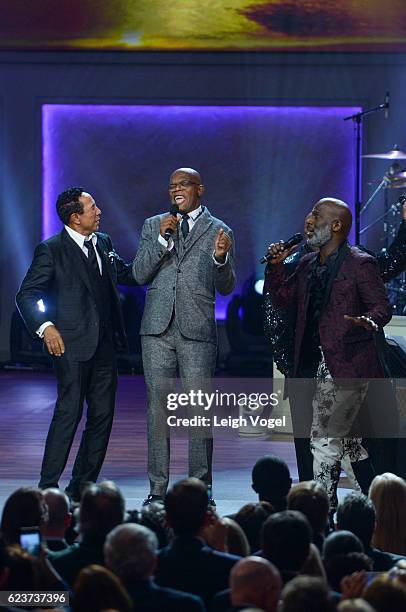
(263, 167)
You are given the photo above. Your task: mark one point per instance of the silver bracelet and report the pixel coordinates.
(371, 322)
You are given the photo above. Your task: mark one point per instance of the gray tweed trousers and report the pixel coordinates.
(165, 357)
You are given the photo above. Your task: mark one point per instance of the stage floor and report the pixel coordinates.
(26, 404)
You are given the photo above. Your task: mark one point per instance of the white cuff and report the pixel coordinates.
(167, 245)
(42, 328)
(217, 263)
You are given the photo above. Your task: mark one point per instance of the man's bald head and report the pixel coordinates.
(59, 516)
(255, 581)
(338, 210)
(328, 224)
(185, 189)
(190, 172)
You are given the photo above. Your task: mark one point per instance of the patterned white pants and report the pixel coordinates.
(336, 405)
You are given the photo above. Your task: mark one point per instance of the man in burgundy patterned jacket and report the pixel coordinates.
(340, 303)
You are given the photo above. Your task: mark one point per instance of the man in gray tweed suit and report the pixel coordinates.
(178, 329)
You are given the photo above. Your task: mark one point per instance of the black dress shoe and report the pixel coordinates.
(211, 504)
(74, 496)
(153, 498)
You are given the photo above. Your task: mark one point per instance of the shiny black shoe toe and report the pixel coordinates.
(152, 499)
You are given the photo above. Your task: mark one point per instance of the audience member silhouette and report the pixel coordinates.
(271, 481)
(188, 564)
(356, 513)
(101, 509)
(131, 553)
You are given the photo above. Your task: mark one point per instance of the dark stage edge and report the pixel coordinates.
(26, 404)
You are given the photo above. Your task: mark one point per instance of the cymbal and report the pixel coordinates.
(397, 181)
(396, 153)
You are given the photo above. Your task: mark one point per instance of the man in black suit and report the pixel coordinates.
(188, 563)
(74, 274)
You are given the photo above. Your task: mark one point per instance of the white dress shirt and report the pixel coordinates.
(193, 218)
(80, 241)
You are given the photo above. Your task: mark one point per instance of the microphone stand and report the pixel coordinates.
(392, 209)
(384, 183)
(357, 119)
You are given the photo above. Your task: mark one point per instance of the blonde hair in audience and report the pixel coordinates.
(388, 494)
(237, 543)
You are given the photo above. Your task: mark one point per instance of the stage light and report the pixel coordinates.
(259, 286)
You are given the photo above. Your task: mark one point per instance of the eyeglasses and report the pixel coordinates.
(182, 185)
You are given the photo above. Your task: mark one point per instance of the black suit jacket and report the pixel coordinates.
(58, 275)
(70, 561)
(149, 597)
(383, 561)
(56, 544)
(188, 564)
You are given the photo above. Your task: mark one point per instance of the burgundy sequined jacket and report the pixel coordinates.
(279, 324)
(358, 289)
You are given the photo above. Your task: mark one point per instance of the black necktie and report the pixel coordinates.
(88, 244)
(184, 226)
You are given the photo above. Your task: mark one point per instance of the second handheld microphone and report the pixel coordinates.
(293, 241)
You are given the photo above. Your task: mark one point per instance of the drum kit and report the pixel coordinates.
(394, 178)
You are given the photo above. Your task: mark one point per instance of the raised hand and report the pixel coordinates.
(353, 586)
(168, 222)
(364, 322)
(222, 245)
(278, 253)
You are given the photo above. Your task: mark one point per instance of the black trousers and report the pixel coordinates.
(301, 392)
(96, 382)
(379, 425)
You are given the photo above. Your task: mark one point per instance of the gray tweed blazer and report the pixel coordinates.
(183, 280)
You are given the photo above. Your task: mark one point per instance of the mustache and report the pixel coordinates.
(320, 237)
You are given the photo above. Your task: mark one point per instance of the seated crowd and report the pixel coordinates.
(281, 554)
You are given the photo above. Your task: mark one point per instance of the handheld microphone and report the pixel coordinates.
(387, 104)
(293, 240)
(402, 199)
(173, 211)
